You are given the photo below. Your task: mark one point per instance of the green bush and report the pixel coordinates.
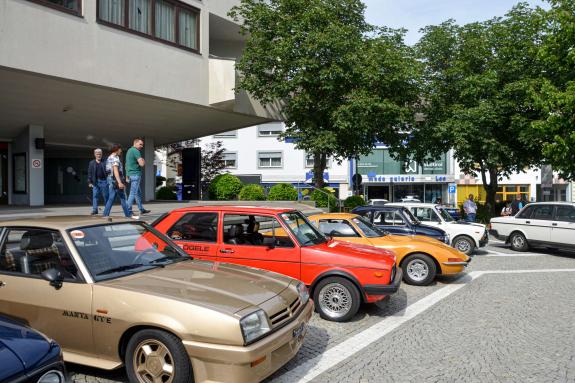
(282, 192)
(321, 199)
(354, 201)
(165, 193)
(252, 193)
(225, 187)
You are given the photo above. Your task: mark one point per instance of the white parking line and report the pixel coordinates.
(491, 253)
(330, 358)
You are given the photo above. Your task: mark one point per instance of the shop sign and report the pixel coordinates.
(373, 177)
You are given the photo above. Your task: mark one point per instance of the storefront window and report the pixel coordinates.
(509, 192)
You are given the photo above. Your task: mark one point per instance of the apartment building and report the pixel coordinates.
(80, 74)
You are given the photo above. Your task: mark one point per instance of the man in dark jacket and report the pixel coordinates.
(517, 205)
(97, 180)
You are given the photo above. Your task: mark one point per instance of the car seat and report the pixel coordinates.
(235, 233)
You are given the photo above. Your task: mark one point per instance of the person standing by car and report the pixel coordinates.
(470, 209)
(134, 165)
(506, 211)
(116, 181)
(517, 205)
(97, 180)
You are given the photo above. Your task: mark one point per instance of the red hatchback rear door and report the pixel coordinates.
(258, 240)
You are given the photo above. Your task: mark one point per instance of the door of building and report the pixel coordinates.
(3, 173)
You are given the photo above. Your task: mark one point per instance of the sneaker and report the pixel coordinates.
(135, 217)
(145, 211)
(94, 213)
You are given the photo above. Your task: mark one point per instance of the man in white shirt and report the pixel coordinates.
(470, 209)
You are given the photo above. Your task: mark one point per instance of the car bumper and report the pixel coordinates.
(221, 363)
(495, 234)
(484, 240)
(385, 289)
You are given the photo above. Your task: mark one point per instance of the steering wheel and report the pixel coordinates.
(143, 253)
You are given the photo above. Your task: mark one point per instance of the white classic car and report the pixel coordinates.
(545, 224)
(465, 236)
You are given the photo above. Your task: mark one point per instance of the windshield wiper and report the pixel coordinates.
(166, 258)
(121, 268)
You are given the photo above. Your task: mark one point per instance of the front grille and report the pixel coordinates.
(285, 314)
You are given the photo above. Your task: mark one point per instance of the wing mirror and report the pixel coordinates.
(55, 278)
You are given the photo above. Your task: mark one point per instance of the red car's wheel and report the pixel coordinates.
(336, 299)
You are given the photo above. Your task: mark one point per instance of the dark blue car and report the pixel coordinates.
(28, 356)
(399, 221)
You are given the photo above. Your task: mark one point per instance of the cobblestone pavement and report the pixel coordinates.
(496, 328)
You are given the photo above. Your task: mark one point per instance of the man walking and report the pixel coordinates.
(517, 205)
(97, 180)
(134, 165)
(115, 179)
(470, 209)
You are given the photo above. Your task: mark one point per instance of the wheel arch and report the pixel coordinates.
(435, 261)
(125, 338)
(341, 274)
(475, 241)
(516, 230)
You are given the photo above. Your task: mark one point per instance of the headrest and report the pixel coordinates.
(235, 230)
(33, 240)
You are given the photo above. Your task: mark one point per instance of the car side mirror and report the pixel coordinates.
(53, 276)
(272, 245)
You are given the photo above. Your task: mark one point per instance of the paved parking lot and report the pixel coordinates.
(508, 319)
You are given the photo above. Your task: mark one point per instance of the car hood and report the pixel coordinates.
(416, 242)
(20, 347)
(341, 253)
(423, 229)
(220, 286)
(466, 224)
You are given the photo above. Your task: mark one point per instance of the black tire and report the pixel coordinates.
(464, 244)
(334, 292)
(418, 269)
(518, 242)
(177, 355)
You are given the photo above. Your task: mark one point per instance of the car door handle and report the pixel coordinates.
(2, 283)
(554, 224)
(527, 221)
(226, 251)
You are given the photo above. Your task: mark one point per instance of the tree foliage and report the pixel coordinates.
(354, 201)
(225, 187)
(556, 96)
(343, 84)
(479, 81)
(252, 192)
(282, 192)
(321, 198)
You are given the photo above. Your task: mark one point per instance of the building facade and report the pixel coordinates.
(81, 74)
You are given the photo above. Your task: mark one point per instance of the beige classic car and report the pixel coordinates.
(116, 292)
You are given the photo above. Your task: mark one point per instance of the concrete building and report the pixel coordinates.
(81, 74)
(256, 155)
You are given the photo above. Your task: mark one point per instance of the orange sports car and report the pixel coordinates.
(421, 258)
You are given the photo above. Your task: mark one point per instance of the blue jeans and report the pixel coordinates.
(470, 217)
(100, 188)
(112, 193)
(135, 193)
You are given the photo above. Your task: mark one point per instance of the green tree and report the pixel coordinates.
(252, 192)
(282, 192)
(225, 187)
(556, 97)
(343, 85)
(479, 81)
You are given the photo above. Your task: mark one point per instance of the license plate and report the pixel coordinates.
(299, 331)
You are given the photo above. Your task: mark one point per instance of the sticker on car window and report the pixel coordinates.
(77, 234)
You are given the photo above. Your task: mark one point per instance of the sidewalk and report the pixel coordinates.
(157, 208)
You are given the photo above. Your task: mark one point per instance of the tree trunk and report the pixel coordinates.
(490, 188)
(319, 165)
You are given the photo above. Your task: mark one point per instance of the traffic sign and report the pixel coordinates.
(36, 164)
(451, 188)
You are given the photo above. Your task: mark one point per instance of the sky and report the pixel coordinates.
(416, 14)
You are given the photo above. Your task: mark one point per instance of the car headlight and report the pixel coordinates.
(53, 376)
(447, 241)
(303, 293)
(254, 325)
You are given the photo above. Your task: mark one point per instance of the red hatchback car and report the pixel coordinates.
(340, 275)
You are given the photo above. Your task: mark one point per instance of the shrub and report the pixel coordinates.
(282, 192)
(252, 193)
(353, 201)
(321, 199)
(225, 187)
(165, 193)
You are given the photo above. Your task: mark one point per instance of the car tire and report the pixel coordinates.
(336, 299)
(166, 349)
(464, 244)
(518, 242)
(418, 269)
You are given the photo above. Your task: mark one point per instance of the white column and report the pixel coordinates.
(149, 186)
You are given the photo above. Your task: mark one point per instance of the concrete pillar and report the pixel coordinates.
(149, 187)
(33, 167)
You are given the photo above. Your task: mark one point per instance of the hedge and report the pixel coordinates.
(354, 201)
(225, 187)
(282, 192)
(252, 193)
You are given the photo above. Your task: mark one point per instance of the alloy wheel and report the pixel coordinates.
(463, 245)
(417, 270)
(335, 300)
(153, 362)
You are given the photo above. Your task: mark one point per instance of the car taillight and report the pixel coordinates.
(455, 260)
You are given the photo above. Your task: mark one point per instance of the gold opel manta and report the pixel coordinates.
(118, 293)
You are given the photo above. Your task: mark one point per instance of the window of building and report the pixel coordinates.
(230, 159)
(269, 130)
(509, 192)
(166, 20)
(270, 159)
(197, 227)
(70, 6)
(309, 161)
(230, 134)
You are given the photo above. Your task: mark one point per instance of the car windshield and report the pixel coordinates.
(115, 250)
(445, 215)
(368, 229)
(410, 217)
(304, 231)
